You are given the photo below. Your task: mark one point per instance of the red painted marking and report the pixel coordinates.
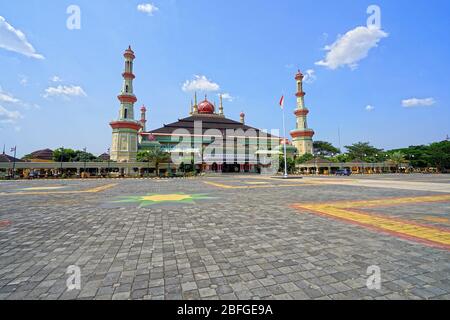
(5, 223)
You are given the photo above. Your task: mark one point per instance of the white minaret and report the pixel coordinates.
(302, 135)
(125, 129)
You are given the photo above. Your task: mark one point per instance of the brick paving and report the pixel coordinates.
(235, 243)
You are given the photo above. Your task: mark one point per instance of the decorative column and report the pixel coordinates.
(302, 135)
(125, 128)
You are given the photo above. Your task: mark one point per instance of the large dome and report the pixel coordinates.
(206, 107)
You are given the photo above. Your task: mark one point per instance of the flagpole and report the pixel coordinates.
(284, 137)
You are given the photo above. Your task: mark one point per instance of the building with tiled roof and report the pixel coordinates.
(45, 155)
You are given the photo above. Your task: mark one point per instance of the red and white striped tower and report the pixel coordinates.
(125, 128)
(302, 135)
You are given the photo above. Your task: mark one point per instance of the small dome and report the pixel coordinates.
(242, 114)
(206, 107)
(285, 141)
(143, 109)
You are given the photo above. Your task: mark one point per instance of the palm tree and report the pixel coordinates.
(397, 158)
(155, 155)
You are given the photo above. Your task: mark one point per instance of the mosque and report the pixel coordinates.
(238, 146)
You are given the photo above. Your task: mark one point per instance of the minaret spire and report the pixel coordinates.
(195, 104)
(302, 135)
(220, 105)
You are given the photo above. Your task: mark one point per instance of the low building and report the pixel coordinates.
(45, 155)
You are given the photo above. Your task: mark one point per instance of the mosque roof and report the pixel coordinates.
(208, 122)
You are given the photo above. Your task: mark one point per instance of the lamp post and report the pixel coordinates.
(109, 160)
(61, 160)
(148, 163)
(84, 156)
(14, 162)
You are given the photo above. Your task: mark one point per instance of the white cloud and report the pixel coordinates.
(200, 83)
(226, 96)
(64, 91)
(310, 76)
(148, 8)
(7, 116)
(352, 47)
(369, 108)
(15, 40)
(415, 102)
(56, 79)
(7, 97)
(23, 80)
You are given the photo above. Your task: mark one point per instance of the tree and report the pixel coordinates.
(438, 155)
(304, 158)
(81, 156)
(397, 158)
(64, 155)
(417, 156)
(155, 155)
(363, 151)
(326, 149)
(290, 164)
(340, 158)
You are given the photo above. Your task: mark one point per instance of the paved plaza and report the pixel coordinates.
(227, 237)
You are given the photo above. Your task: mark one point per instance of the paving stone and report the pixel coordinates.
(245, 243)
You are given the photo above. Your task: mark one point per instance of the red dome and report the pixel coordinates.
(143, 109)
(206, 107)
(242, 114)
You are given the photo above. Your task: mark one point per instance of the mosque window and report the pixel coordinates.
(126, 88)
(125, 113)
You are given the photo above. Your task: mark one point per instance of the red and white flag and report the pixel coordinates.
(282, 102)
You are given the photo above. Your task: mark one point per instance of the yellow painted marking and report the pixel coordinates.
(41, 188)
(389, 201)
(225, 186)
(421, 232)
(92, 190)
(166, 197)
(255, 182)
(436, 219)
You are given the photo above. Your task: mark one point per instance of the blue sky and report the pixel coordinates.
(58, 87)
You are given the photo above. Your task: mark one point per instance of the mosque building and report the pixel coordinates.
(239, 147)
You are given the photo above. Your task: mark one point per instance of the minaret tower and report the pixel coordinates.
(195, 108)
(221, 106)
(302, 135)
(143, 118)
(125, 128)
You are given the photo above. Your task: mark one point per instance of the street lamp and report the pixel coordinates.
(84, 156)
(109, 160)
(14, 162)
(61, 159)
